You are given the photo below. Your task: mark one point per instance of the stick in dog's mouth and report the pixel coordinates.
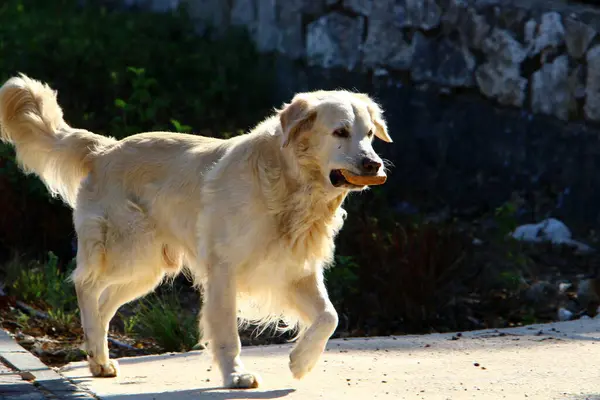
(340, 177)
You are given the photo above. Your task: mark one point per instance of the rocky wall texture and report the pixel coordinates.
(533, 54)
(440, 69)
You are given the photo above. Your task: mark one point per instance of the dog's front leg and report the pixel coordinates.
(220, 329)
(309, 297)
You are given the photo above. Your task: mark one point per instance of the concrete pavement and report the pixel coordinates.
(24, 377)
(550, 361)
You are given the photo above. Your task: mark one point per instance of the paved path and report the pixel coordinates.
(554, 361)
(14, 387)
(24, 377)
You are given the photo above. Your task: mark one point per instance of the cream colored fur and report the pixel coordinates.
(253, 218)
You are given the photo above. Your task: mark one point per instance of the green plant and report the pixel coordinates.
(163, 319)
(342, 278)
(505, 217)
(141, 107)
(46, 286)
(130, 324)
(62, 317)
(23, 319)
(511, 280)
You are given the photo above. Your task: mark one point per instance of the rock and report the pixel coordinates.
(592, 92)
(473, 29)
(454, 11)
(209, 13)
(243, 13)
(563, 287)
(502, 47)
(442, 62)
(564, 314)
(587, 292)
(25, 339)
(362, 7)
(511, 18)
(578, 37)
(541, 292)
(550, 90)
(334, 40)
(577, 85)
(385, 44)
(164, 5)
(549, 34)
(313, 7)
(267, 34)
(422, 14)
(585, 317)
(551, 230)
(291, 40)
(500, 76)
(502, 83)
(530, 30)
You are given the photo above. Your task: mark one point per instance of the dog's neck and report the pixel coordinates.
(311, 215)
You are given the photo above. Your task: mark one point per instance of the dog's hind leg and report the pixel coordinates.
(309, 299)
(116, 295)
(91, 278)
(219, 326)
(95, 336)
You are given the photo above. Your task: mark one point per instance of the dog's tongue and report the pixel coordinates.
(362, 180)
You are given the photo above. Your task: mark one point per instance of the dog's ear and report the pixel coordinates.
(376, 113)
(295, 118)
(381, 130)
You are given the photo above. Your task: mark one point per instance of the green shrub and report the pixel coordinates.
(46, 286)
(162, 318)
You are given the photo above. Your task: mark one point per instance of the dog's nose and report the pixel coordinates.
(370, 166)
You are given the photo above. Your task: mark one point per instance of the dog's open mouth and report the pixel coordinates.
(345, 178)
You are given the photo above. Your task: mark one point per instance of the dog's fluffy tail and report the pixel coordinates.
(32, 120)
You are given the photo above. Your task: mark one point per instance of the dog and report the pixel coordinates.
(252, 218)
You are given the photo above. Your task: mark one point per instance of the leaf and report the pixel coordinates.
(120, 103)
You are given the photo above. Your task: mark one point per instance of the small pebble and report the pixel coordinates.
(476, 364)
(564, 314)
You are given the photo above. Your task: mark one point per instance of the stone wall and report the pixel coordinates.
(465, 86)
(542, 55)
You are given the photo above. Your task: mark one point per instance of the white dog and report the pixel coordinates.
(253, 218)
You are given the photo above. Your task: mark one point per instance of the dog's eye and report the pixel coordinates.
(341, 133)
(370, 134)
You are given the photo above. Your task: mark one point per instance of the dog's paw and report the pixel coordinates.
(303, 359)
(108, 370)
(242, 380)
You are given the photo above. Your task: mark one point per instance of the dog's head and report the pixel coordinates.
(331, 134)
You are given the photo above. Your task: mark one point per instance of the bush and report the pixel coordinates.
(394, 275)
(162, 318)
(46, 286)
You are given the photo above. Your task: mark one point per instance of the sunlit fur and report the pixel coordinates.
(252, 218)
